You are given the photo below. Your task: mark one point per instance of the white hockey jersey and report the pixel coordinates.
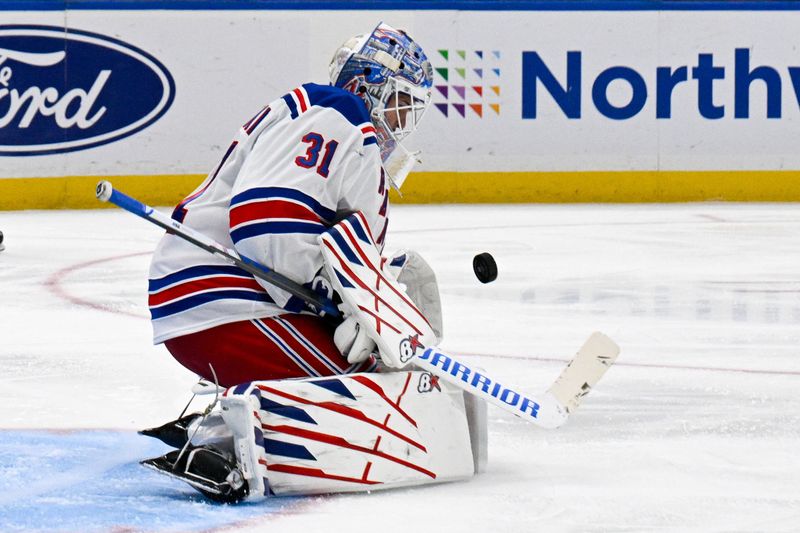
(302, 162)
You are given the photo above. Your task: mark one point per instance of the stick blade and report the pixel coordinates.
(594, 358)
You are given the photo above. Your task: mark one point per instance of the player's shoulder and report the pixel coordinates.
(301, 99)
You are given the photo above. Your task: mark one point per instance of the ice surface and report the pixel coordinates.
(697, 427)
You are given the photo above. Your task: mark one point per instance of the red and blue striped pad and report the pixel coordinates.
(356, 432)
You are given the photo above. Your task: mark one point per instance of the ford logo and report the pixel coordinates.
(63, 90)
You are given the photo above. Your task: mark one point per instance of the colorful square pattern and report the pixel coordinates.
(467, 82)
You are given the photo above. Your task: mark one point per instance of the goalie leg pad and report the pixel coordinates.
(359, 432)
(477, 417)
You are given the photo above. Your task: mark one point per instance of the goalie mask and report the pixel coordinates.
(391, 73)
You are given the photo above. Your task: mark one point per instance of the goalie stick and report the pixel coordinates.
(550, 411)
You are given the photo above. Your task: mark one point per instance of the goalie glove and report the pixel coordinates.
(417, 277)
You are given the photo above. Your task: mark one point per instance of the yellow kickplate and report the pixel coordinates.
(77, 192)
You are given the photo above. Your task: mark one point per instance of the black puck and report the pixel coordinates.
(485, 267)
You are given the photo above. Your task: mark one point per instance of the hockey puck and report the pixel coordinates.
(2, 247)
(485, 267)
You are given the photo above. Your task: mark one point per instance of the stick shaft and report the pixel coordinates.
(106, 193)
(544, 411)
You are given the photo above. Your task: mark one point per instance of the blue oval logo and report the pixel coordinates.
(63, 90)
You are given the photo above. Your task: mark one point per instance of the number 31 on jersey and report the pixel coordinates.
(311, 157)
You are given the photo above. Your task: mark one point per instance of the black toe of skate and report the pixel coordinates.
(211, 471)
(172, 433)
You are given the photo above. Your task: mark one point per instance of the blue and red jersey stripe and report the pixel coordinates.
(199, 285)
(276, 210)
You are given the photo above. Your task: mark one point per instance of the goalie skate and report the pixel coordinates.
(211, 471)
(175, 433)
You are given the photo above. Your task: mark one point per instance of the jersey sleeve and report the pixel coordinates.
(293, 182)
(366, 190)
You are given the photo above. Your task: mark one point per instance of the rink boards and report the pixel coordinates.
(532, 102)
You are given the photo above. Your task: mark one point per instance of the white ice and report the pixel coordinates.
(696, 428)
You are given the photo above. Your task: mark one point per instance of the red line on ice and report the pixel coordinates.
(643, 365)
(54, 285)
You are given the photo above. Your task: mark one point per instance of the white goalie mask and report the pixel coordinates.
(392, 75)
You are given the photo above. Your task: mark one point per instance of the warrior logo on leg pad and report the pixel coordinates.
(428, 382)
